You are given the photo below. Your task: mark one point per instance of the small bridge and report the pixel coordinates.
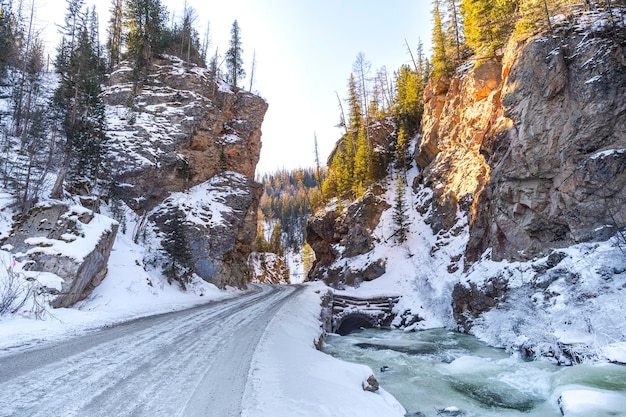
(352, 313)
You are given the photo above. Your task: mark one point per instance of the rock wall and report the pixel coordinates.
(184, 149)
(213, 227)
(338, 235)
(537, 142)
(177, 129)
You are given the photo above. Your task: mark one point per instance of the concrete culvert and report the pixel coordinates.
(354, 322)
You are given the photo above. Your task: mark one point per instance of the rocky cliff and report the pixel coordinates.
(517, 201)
(536, 140)
(177, 129)
(184, 148)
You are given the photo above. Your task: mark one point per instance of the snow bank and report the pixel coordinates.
(130, 290)
(584, 402)
(571, 311)
(289, 377)
(423, 269)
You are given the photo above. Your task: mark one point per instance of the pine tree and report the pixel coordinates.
(441, 62)
(234, 60)
(144, 22)
(260, 242)
(400, 216)
(79, 102)
(488, 24)
(9, 33)
(455, 29)
(362, 68)
(362, 176)
(115, 39)
(276, 244)
(175, 243)
(409, 105)
(355, 112)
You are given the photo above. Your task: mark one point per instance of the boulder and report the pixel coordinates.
(69, 241)
(370, 384)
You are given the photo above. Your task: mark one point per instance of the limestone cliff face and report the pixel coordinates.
(538, 142)
(184, 149)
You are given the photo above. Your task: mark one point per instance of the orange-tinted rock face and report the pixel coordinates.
(538, 142)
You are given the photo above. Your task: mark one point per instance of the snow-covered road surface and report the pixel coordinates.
(188, 363)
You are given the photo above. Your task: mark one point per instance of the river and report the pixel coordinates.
(436, 370)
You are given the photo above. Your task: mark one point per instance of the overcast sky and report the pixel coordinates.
(304, 54)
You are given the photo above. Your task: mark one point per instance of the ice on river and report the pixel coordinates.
(432, 370)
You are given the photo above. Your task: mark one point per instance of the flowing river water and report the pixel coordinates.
(444, 373)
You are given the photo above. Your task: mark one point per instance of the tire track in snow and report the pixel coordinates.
(189, 363)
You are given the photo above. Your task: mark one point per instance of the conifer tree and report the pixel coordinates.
(355, 112)
(144, 22)
(9, 33)
(362, 175)
(79, 102)
(400, 216)
(234, 56)
(441, 62)
(455, 30)
(261, 243)
(115, 40)
(175, 244)
(488, 23)
(275, 244)
(409, 105)
(362, 67)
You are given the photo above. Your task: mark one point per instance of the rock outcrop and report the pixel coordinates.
(343, 234)
(184, 149)
(177, 129)
(269, 268)
(537, 143)
(72, 243)
(213, 226)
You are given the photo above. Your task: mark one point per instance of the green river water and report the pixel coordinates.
(435, 370)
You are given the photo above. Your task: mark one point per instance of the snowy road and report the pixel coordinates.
(189, 363)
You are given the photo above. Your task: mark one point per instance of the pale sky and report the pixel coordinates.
(304, 54)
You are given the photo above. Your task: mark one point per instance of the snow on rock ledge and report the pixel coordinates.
(177, 128)
(72, 243)
(214, 224)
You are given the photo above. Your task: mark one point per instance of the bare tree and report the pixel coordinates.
(252, 70)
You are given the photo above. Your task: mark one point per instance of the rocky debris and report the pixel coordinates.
(218, 227)
(336, 235)
(176, 130)
(72, 243)
(370, 384)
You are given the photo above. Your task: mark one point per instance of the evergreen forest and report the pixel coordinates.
(53, 132)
